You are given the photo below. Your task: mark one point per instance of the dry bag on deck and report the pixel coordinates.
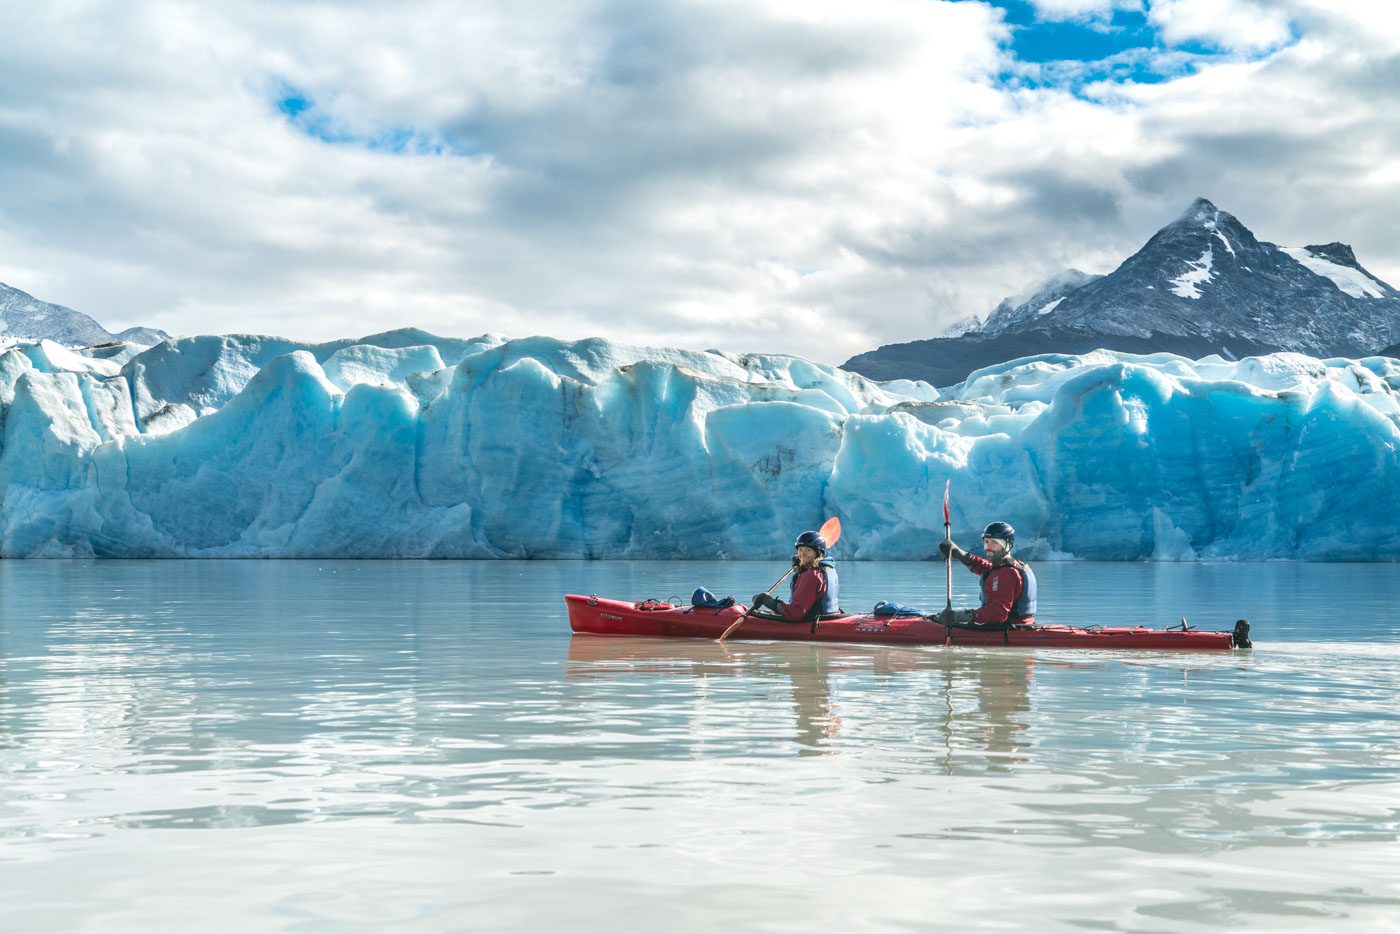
(704, 598)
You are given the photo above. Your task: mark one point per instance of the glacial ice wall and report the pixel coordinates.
(409, 445)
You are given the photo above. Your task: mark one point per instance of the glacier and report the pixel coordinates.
(409, 445)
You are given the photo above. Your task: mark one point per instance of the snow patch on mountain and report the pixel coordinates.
(1198, 271)
(1352, 281)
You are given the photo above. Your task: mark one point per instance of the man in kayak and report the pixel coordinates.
(1008, 585)
(815, 589)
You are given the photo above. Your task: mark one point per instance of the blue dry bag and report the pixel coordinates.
(890, 608)
(704, 598)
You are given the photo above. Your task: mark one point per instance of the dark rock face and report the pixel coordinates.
(945, 361)
(1336, 252)
(24, 316)
(1202, 285)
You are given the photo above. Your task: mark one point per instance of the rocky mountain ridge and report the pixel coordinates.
(25, 317)
(1202, 285)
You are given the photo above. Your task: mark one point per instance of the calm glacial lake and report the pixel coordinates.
(421, 746)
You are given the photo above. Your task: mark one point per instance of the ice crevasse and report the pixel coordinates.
(410, 445)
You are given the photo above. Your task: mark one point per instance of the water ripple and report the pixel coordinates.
(436, 744)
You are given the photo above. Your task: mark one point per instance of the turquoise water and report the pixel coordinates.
(421, 746)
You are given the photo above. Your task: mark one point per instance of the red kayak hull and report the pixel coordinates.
(600, 616)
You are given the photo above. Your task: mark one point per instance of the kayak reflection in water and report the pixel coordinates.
(966, 713)
(815, 589)
(1008, 585)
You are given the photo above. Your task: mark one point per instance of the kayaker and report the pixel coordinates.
(1008, 585)
(815, 588)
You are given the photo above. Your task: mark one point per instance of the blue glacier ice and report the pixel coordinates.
(409, 445)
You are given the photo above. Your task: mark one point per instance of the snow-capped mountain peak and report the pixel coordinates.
(1203, 284)
(1206, 277)
(26, 317)
(968, 325)
(1201, 213)
(1036, 301)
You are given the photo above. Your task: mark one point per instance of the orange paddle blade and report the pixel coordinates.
(830, 531)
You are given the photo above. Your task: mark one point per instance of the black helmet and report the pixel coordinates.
(810, 539)
(1001, 530)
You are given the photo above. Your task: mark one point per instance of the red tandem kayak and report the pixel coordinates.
(600, 616)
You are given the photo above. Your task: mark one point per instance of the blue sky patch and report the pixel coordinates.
(293, 105)
(1120, 47)
(1083, 41)
(301, 112)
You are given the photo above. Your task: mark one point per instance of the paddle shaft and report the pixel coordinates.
(948, 560)
(948, 567)
(735, 625)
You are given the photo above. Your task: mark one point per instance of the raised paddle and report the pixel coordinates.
(830, 533)
(948, 562)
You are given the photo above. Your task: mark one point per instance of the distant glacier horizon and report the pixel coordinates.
(408, 445)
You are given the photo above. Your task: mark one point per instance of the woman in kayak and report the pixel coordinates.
(815, 589)
(1008, 585)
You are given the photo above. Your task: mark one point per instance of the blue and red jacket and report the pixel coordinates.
(1008, 592)
(816, 592)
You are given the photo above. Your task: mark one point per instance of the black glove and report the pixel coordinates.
(946, 548)
(796, 561)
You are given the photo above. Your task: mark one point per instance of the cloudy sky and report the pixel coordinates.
(808, 176)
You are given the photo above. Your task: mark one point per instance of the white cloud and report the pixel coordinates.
(1240, 25)
(1059, 10)
(812, 177)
